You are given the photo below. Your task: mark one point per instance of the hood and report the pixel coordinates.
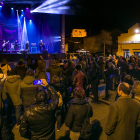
(54, 66)
(79, 101)
(4, 67)
(20, 67)
(28, 80)
(13, 78)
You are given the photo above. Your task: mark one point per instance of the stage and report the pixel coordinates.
(14, 56)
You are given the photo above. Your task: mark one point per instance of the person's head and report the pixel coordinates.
(124, 89)
(78, 67)
(65, 61)
(30, 73)
(41, 96)
(94, 65)
(3, 40)
(40, 40)
(128, 79)
(79, 93)
(27, 41)
(13, 72)
(57, 61)
(110, 64)
(56, 80)
(69, 64)
(136, 88)
(1, 71)
(123, 59)
(20, 63)
(4, 61)
(131, 66)
(21, 60)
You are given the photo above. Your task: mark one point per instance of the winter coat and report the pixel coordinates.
(94, 76)
(38, 121)
(28, 91)
(3, 96)
(5, 131)
(77, 114)
(122, 119)
(10, 87)
(40, 72)
(124, 67)
(54, 70)
(21, 70)
(133, 73)
(102, 65)
(5, 68)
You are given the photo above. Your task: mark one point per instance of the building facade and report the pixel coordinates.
(129, 43)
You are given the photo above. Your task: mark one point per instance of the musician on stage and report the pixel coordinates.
(4, 45)
(41, 45)
(27, 46)
(16, 47)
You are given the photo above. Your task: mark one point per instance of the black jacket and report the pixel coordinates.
(133, 73)
(124, 67)
(77, 114)
(38, 121)
(5, 132)
(27, 90)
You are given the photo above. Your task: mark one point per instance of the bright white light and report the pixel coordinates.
(0, 6)
(22, 15)
(12, 8)
(22, 10)
(137, 31)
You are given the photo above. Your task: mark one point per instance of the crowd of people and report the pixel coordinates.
(37, 107)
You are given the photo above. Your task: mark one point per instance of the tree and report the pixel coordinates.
(104, 38)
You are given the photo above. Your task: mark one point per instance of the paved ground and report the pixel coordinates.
(100, 112)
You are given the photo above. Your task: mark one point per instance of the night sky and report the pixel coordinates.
(108, 15)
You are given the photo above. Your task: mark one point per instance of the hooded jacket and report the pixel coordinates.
(5, 68)
(54, 69)
(21, 70)
(28, 91)
(77, 114)
(10, 87)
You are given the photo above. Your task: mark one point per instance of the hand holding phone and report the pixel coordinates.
(37, 82)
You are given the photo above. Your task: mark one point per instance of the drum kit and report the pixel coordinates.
(14, 46)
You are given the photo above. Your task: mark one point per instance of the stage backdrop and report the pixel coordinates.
(39, 26)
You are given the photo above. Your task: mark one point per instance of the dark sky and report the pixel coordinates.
(108, 15)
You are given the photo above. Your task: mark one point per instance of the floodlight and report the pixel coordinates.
(12, 8)
(137, 31)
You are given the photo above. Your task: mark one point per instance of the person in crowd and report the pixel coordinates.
(27, 90)
(56, 85)
(23, 63)
(38, 121)
(102, 64)
(3, 96)
(78, 77)
(40, 71)
(123, 116)
(132, 70)
(13, 99)
(29, 62)
(21, 69)
(54, 69)
(124, 66)
(5, 131)
(128, 79)
(138, 72)
(108, 72)
(61, 64)
(69, 71)
(65, 64)
(5, 67)
(77, 113)
(94, 80)
(82, 63)
(35, 65)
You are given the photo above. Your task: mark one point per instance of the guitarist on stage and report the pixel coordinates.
(41, 45)
(4, 45)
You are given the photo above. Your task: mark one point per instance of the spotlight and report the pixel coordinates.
(30, 20)
(0, 6)
(137, 31)
(22, 15)
(22, 10)
(12, 8)
(31, 11)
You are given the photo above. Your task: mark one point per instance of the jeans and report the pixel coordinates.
(94, 88)
(17, 113)
(58, 117)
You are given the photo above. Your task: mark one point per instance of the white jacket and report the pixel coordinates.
(5, 69)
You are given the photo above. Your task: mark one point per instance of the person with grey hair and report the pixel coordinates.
(123, 115)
